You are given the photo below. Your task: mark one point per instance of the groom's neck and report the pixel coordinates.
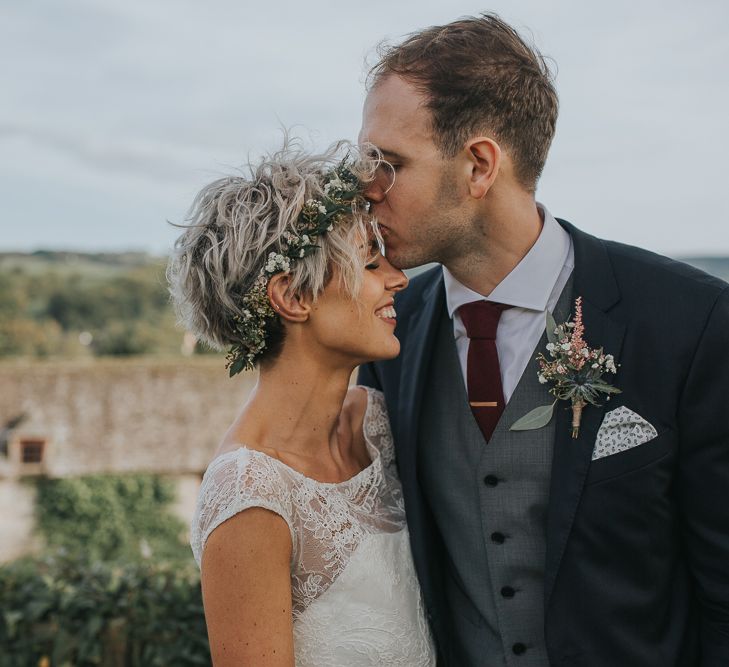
(503, 231)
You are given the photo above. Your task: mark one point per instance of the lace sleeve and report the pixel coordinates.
(232, 483)
(376, 425)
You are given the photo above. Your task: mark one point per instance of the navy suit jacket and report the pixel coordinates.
(637, 560)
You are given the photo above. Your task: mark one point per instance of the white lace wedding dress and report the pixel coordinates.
(356, 599)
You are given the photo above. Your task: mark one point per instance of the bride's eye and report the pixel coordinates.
(372, 262)
(375, 254)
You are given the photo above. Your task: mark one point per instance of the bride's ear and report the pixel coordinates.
(291, 307)
(484, 156)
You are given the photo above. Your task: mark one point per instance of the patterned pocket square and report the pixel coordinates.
(621, 429)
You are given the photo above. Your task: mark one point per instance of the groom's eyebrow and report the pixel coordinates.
(391, 155)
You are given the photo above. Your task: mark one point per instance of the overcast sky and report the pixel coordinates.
(114, 113)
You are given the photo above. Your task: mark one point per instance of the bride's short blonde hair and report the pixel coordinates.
(236, 221)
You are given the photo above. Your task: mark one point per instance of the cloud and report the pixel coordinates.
(142, 103)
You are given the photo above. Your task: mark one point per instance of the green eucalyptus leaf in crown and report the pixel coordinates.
(341, 188)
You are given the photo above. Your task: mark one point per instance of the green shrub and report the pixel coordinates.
(111, 517)
(63, 611)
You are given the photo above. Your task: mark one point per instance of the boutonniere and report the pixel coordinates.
(575, 370)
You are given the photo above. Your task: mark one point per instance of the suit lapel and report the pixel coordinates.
(595, 282)
(415, 364)
(418, 349)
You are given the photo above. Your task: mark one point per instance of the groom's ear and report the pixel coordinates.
(484, 158)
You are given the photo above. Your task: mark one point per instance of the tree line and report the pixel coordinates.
(56, 309)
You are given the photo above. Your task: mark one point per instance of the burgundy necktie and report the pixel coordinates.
(485, 393)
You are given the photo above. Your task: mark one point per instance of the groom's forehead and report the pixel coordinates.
(394, 110)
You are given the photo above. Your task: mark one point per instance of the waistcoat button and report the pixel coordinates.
(490, 480)
(508, 592)
(518, 648)
(498, 538)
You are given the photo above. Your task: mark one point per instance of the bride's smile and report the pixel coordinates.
(300, 527)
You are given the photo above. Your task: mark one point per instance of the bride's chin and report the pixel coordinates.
(392, 350)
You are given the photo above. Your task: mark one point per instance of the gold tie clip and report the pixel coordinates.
(480, 404)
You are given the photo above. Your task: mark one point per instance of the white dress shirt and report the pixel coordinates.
(533, 287)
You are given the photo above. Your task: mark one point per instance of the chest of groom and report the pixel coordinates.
(537, 549)
(489, 503)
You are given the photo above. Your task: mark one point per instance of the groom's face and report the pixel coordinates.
(418, 215)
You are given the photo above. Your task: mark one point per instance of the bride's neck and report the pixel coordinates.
(295, 406)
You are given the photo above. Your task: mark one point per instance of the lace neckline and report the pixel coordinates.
(366, 472)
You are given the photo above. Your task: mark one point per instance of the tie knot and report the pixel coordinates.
(481, 318)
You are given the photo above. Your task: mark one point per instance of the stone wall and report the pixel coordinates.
(111, 416)
(164, 416)
(17, 538)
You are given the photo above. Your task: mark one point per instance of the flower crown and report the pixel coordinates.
(341, 188)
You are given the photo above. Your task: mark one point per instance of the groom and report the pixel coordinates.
(534, 548)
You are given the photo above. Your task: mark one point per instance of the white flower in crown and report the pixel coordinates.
(277, 262)
(341, 189)
(333, 183)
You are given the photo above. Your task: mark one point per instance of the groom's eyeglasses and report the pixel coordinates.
(383, 181)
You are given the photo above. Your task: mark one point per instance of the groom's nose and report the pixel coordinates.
(374, 192)
(381, 184)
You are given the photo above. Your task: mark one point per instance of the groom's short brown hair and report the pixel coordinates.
(480, 75)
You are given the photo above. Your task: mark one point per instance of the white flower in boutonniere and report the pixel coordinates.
(575, 370)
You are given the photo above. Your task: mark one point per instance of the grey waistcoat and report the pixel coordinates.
(489, 501)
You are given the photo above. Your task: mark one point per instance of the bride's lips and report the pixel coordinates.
(387, 313)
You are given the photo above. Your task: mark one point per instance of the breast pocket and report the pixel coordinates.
(631, 459)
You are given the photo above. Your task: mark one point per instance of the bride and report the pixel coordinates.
(300, 528)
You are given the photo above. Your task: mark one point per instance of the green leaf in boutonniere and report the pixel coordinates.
(551, 329)
(575, 370)
(534, 419)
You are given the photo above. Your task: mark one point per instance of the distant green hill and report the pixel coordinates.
(109, 263)
(72, 304)
(82, 263)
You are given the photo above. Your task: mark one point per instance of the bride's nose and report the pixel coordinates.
(395, 280)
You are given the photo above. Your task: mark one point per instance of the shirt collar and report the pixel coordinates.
(531, 281)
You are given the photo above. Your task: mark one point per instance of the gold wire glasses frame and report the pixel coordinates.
(385, 177)
(382, 182)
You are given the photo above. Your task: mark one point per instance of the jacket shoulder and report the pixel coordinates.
(637, 268)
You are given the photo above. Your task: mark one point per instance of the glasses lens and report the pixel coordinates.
(385, 177)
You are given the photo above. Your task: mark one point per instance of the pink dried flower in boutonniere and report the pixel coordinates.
(575, 370)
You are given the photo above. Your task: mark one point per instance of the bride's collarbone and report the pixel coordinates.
(330, 467)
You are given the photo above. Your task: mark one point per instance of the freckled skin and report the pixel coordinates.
(350, 330)
(246, 578)
(257, 597)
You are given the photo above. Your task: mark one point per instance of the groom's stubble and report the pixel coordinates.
(442, 233)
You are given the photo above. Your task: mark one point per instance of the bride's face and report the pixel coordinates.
(361, 329)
